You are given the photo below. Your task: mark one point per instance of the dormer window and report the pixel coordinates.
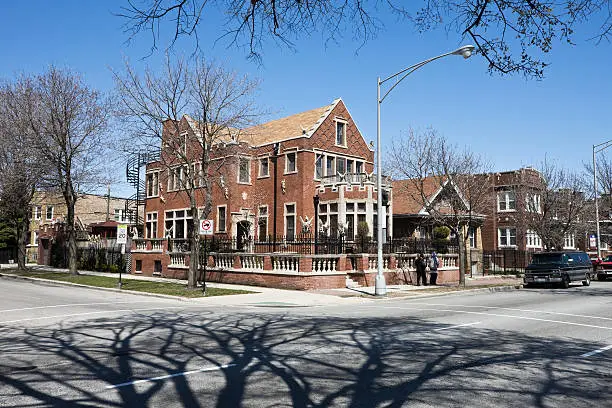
(340, 133)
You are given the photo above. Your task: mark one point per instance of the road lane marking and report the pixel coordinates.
(458, 325)
(601, 350)
(515, 310)
(71, 305)
(499, 315)
(102, 312)
(164, 377)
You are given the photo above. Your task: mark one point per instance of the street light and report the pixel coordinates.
(596, 149)
(380, 288)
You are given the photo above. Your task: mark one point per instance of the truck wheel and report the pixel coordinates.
(566, 282)
(601, 277)
(587, 280)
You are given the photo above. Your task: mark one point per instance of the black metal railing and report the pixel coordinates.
(322, 245)
(8, 254)
(504, 262)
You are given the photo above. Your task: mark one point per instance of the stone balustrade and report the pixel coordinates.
(253, 262)
(150, 245)
(178, 260)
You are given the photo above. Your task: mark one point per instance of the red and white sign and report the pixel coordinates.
(206, 227)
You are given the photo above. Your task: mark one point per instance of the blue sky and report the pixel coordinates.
(512, 121)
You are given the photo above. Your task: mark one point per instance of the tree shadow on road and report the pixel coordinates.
(283, 359)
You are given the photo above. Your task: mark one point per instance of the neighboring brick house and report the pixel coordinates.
(281, 167)
(516, 194)
(412, 220)
(49, 212)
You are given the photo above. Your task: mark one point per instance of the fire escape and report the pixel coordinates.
(133, 204)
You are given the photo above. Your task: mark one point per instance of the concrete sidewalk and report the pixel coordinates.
(271, 297)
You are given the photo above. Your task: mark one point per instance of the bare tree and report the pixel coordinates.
(202, 108)
(604, 194)
(21, 169)
(451, 184)
(511, 36)
(68, 121)
(561, 209)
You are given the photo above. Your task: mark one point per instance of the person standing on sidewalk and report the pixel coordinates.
(421, 266)
(434, 263)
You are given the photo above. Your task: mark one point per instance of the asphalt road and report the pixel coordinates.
(527, 348)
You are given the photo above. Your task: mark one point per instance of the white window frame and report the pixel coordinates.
(224, 206)
(359, 166)
(175, 220)
(183, 136)
(260, 162)
(331, 172)
(506, 233)
(344, 124)
(504, 196)
(176, 176)
(472, 236)
(350, 212)
(242, 159)
(285, 217)
(340, 159)
(569, 241)
(295, 170)
(533, 203)
(321, 157)
(152, 186)
(37, 212)
(49, 207)
(153, 219)
(532, 239)
(260, 217)
(198, 175)
(119, 215)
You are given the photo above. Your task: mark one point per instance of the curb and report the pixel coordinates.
(51, 282)
(504, 288)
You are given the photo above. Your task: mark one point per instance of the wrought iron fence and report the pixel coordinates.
(504, 262)
(8, 254)
(326, 245)
(92, 258)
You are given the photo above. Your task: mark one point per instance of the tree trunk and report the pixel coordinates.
(22, 235)
(461, 243)
(70, 233)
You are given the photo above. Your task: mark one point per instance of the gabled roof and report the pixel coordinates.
(407, 197)
(303, 124)
(290, 127)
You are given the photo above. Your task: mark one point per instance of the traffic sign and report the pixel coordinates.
(206, 227)
(122, 234)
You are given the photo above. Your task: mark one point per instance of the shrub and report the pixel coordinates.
(363, 237)
(440, 240)
(441, 232)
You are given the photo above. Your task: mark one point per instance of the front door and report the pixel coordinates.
(243, 235)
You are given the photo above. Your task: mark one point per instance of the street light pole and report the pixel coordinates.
(380, 288)
(596, 203)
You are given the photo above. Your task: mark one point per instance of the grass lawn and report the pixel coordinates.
(164, 288)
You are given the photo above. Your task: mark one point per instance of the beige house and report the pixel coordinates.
(49, 210)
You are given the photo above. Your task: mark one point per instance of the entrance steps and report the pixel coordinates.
(351, 283)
